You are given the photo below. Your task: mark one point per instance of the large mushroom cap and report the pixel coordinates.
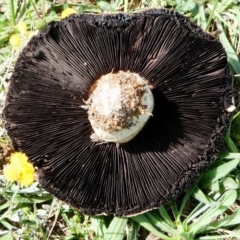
(186, 70)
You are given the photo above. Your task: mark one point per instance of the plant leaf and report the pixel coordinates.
(5, 205)
(98, 225)
(201, 197)
(225, 201)
(230, 220)
(232, 56)
(132, 235)
(6, 224)
(7, 237)
(116, 229)
(106, 6)
(229, 183)
(164, 214)
(220, 171)
(144, 222)
(232, 235)
(160, 223)
(186, 197)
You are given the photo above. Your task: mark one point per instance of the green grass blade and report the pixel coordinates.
(6, 224)
(5, 205)
(116, 229)
(106, 6)
(225, 155)
(210, 18)
(98, 225)
(227, 24)
(13, 9)
(201, 19)
(161, 224)
(223, 5)
(164, 214)
(7, 237)
(229, 183)
(196, 212)
(231, 145)
(144, 222)
(201, 197)
(133, 231)
(174, 209)
(187, 195)
(232, 56)
(237, 114)
(230, 220)
(226, 200)
(232, 235)
(220, 171)
(65, 218)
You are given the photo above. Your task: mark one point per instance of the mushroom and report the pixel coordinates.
(120, 112)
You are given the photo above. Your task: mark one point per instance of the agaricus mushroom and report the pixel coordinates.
(120, 113)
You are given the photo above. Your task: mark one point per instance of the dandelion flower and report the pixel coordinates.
(18, 158)
(22, 28)
(68, 11)
(15, 40)
(19, 169)
(9, 172)
(26, 179)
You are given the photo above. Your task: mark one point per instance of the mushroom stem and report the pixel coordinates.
(119, 105)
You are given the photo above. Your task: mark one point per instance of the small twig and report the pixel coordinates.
(36, 10)
(55, 219)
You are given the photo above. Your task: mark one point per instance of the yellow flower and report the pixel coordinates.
(18, 158)
(68, 11)
(15, 40)
(22, 27)
(19, 169)
(27, 179)
(9, 172)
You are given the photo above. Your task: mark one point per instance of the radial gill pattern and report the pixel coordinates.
(187, 72)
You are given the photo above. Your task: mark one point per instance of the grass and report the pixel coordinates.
(208, 210)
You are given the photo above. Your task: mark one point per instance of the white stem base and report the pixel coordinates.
(119, 106)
